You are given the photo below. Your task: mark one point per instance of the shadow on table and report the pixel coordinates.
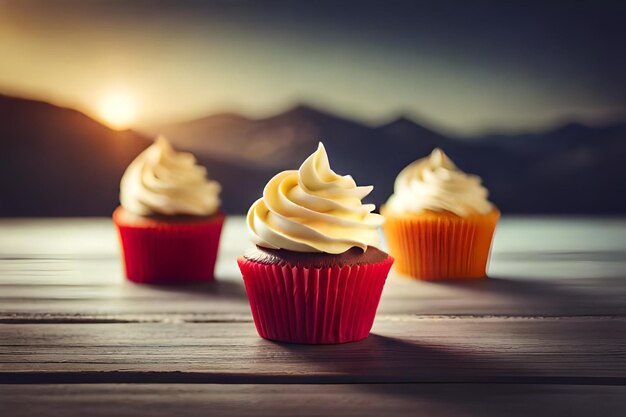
(383, 359)
(500, 399)
(459, 383)
(551, 297)
(215, 289)
(561, 256)
(391, 367)
(449, 379)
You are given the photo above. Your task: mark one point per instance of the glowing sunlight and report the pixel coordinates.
(117, 109)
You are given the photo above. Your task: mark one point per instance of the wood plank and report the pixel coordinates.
(94, 290)
(313, 400)
(95, 237)
(402, 349)
(540, 267)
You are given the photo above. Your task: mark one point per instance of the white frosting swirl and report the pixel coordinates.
(314, 210)
(163, 181)
(435, 183)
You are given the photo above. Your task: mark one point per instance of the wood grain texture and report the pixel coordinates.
(505, 298)
(496, 296)
(401, 349)
(67, 268)
(313, 400)
(546, 335)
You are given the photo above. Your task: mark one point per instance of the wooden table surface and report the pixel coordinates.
(545, 335)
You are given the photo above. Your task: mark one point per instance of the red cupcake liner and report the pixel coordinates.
(314, 305)
(158, 252)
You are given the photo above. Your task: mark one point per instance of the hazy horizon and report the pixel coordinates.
(456, 68)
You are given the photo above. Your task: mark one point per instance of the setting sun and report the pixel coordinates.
(117, 109)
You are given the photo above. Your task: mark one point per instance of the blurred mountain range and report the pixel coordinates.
(59, 162)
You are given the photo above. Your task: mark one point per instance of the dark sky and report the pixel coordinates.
(461, 66)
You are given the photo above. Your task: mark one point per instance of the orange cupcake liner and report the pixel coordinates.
(441, 246)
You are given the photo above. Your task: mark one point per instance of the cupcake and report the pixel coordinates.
(169, 221)
(317, 272)
(439, 223)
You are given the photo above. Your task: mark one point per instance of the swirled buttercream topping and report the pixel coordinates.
(435, 183)
(166, 182)
(314, 210)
